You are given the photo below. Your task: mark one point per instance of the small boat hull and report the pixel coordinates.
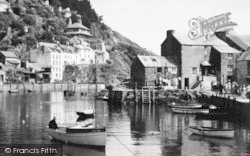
(188, 106)
(190, 111)
(212, 132)
(13, 91)
(87, 136)
(85, 115)
(29, 90)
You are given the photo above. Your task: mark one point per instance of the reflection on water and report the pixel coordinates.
(132, 129)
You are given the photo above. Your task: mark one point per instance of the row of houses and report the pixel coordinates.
(187, 63)
(48, 60)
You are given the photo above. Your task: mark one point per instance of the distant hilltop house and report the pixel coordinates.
(77, 29)
(4, 6)
(200, 61)
(152, 70)
(54, 57)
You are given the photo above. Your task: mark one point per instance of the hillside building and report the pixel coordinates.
(4, 6)
(200, 61)
(8, 58)
(77, 29)
(102, 55)
(243, 68)
(150, 70)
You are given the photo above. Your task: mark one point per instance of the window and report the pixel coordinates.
(159, 69)
(230, 68)
(230, 56)
(153, 59)
(194, 70)
(174, 70)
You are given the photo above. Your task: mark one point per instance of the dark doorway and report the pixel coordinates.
(186, 83)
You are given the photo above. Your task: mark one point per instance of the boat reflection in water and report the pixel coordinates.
(73, 150)
(132, 129)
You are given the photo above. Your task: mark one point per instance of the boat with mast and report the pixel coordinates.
(89, 135)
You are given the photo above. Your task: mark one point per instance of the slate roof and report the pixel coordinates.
(77, 25)
(241, 40)
(155, 61)
(226, 49)
(245, 56)
(185, 40)
(9, 54)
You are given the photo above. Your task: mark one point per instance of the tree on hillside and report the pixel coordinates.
(84, 8)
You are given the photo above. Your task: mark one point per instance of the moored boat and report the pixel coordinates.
(89, 136)
(31, 90)
(190, 111)
(186, 106)
(212, 132)
(13, 91)
(102, 95)
(86, 114)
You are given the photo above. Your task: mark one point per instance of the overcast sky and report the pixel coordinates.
(146, 21)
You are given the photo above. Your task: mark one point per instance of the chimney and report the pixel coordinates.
(60, 9)
(103, 47)
(170, 33)
(79, 19)
(69, 21)
(46, 2)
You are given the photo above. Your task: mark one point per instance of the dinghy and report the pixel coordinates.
(212, 132)
(190, 111)
(186, 106)
(79, 135)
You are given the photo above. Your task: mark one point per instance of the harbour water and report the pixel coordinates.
(132, 129)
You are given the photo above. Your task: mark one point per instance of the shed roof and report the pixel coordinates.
(9, 54)
(226, 49)
(155, 61)
(77, 25)
(241, 40)
(245, 56)
(185, 40)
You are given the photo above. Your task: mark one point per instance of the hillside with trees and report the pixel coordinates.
(32, 21)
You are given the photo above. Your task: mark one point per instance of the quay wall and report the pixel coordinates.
(238, 110)
(53, 87)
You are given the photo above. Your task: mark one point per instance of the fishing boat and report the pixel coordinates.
(13, 91)
(102, 95)
(86, 114)
(190, 111)
(186, 106)
(80, 135)
(68, 93)
(84, 93)
(212, 132)
(31, 90)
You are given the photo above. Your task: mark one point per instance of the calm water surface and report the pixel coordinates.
(132, 129)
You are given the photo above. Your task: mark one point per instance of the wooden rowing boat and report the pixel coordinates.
(190, 111)
(186, 106)
(212, 132)
(89, 136)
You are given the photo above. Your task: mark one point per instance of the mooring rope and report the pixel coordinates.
(121, 142)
